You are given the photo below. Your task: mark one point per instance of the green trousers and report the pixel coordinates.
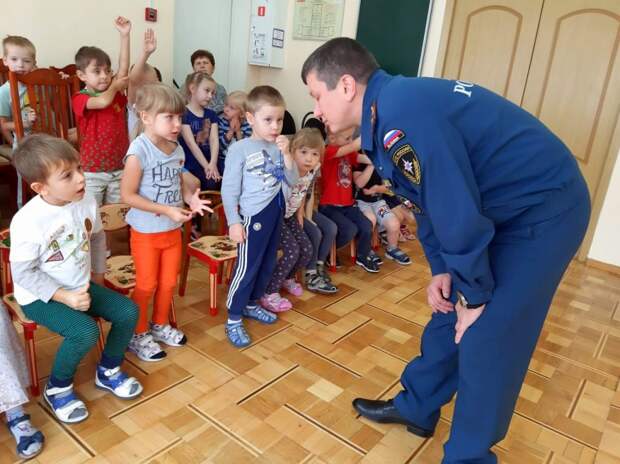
(80, 331)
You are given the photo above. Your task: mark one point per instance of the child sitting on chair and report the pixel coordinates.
(52, 239)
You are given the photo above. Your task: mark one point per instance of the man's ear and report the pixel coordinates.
(349, 86)
(38, 187)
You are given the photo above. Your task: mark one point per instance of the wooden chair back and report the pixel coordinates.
(49, 96)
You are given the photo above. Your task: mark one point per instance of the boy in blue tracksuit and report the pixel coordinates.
(254, 207)
(501, 208)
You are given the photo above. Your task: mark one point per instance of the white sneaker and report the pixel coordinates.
(168, 335)
(145, 348)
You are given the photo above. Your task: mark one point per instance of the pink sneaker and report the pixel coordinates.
(275, 303)
(291, 286)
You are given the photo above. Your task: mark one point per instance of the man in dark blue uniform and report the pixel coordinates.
(501, 208)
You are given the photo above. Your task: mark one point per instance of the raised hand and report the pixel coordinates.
(283, 143)
(150, 41)
(123, 25)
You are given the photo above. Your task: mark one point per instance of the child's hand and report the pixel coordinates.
(29, 117)
(178, 214)
(120, 83)
(78, 299)
(63, 75)
(283, 144)
(212, 172)
(235, 125)
(369, 191)
(123, 25)
(236, 233)
(197, 205)
(150, 41)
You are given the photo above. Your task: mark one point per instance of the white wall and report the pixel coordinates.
(288, 80)
(202, 24)
(58, 28)
(605, 246)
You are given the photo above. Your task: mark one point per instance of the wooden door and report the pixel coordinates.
(574, 85)
(491, 42)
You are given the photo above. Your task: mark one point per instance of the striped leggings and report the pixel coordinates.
(80, 331)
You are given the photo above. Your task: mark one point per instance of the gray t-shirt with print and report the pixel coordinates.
(160, 183)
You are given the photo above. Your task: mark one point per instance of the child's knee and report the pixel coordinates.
(391, 223)
(88, 334)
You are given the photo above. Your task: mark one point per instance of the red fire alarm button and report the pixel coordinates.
(150, 14)
(261, 11)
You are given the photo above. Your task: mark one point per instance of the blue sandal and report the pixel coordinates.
(26, 436)
(260, 314)
(237, 335)
(118, 383)
(65, 405)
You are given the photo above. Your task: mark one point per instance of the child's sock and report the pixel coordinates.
(14, 413)
(391, 248)
(311, 272)
(234, 320)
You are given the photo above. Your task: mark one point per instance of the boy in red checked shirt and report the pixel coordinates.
(100, 112)
(337, 202)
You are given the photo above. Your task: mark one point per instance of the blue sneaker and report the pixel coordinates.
(64, 404)
(118, 383)
(237, 334)
(398, 255)
(260, 314)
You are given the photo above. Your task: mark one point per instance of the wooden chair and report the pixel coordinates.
(15, 311)
(121, 273)
(4, 73)
(213, 250)
(49, 96)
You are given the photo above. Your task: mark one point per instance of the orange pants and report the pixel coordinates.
(157, 258)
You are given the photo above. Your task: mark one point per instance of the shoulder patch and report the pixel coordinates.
(406, 160)
(391, 137)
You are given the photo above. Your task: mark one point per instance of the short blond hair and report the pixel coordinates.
(157, 98)
(264, 95)
(18, 41)
(239, 99)
(308, 137)
(38, 154)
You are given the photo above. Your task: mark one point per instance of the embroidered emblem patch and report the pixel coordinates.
(257, 226)
(407, 163)
(54, 245)
(55, 257)
(391, 137)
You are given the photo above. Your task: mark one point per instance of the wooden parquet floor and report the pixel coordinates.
(287, 397)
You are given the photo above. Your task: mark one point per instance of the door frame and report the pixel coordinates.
(598, 197)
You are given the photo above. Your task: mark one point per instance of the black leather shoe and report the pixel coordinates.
(385, 412)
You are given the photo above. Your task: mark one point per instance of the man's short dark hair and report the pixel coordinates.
(337, 57)
(202, 54)
(86, 54)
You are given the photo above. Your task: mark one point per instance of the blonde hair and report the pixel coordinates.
(18, 41)
(239, 99)
(308, 137)
(264, 95)
(38, 154)
(195, 79)
(157, 98)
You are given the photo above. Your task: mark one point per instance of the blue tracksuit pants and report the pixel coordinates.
(256, 256)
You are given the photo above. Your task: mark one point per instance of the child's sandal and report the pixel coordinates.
(25, 442)
(119, 384)
(65, 405)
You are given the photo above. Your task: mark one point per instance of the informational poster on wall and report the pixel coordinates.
(317, 19)
(267, 33)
